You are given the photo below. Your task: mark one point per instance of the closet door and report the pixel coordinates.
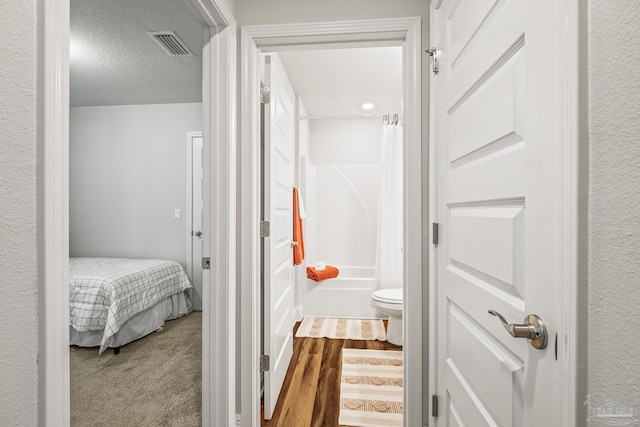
(499, 146)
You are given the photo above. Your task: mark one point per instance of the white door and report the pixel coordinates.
(278, 180)
(195, 233)
(499, 149)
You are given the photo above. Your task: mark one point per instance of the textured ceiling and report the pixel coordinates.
(114, 62)
(335, 82)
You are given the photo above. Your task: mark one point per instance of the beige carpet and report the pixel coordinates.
(371, 388)
(155, 381)
(352, 329)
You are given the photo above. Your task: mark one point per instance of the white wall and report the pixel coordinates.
(343, 216)
(258, 12)
(19, 226)
(614, 201)
(127, 175)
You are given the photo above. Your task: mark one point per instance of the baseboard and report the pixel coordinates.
(297, 314)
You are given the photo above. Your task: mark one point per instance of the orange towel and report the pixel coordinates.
(329, 272)
(298, 241)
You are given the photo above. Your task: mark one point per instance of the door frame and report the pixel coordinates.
(219, 107)
(570, 63)
(189, 207)
(258, 39)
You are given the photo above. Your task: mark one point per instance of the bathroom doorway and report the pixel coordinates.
(409, 106)
(332, 127)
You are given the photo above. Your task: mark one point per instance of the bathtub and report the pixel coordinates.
(347, 296)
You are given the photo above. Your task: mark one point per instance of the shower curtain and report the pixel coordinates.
(389, 253)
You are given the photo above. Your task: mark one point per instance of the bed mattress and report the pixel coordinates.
(105, 293)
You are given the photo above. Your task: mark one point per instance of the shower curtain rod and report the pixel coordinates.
(349, 116)
(391, 119)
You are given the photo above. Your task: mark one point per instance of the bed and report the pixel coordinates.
(114, 301)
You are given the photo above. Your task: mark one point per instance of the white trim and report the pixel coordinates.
(381, 32)
(249, 235)
(338, 31)
(374, 32)
(212, 13)
(297, 313)
(189, 206)
(433, 213)
(412, 316)
(219, 243)
(575, 165)
(572, 329)
(219, 106)
(53, 304)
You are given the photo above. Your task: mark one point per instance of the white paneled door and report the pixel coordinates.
(278, 180)
(498, 149)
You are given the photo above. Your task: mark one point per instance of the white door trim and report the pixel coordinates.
(219, 228)
(53, 245)
(570, 64)
(188, 212)
(219, 105)
(266, 38)
(189, 206)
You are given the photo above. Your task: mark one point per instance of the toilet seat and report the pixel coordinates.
(389, 296)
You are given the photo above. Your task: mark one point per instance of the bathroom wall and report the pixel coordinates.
(340, 181)
(345, 156)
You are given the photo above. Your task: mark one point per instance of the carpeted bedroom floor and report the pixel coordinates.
(155, 381)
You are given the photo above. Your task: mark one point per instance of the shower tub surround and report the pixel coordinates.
(348, 296)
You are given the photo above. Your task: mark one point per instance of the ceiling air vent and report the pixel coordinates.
(170, 43)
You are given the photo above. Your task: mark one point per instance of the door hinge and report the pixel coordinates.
(264, 363)
(434, 405)
(435, 234)
(265, 95)
(206, 263)
(433, 53)
(265, 228)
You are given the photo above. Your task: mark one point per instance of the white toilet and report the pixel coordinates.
(389, 302)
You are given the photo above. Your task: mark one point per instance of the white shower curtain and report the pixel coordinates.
(389, 253)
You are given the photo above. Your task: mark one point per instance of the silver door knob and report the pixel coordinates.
(198, 233)
(533, 329)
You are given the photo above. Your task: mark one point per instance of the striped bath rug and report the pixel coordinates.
(371, 388)
(350, 329)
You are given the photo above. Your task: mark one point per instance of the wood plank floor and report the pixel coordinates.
(310, 396)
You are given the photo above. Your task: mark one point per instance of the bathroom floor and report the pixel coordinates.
(310, 395)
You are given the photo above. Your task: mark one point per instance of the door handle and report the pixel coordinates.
(198, 233)
(533, 329)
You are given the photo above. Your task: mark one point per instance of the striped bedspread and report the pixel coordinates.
(106, 292)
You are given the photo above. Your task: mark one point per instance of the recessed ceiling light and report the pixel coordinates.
(368, 105)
